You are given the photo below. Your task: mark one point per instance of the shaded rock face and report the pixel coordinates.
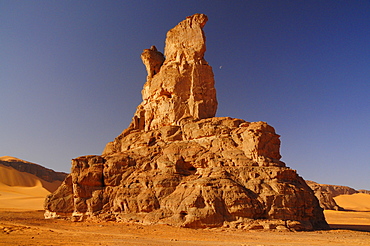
(178, 164)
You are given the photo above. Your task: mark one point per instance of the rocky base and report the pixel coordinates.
(208, 173)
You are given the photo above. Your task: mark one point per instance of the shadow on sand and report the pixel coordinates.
(365, 228)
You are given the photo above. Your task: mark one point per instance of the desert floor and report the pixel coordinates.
(21, 227)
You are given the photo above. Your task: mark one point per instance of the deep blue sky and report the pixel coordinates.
(71, 76)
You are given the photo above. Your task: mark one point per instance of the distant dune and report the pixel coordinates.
(356, 202)
(25, 190)
(32, 168)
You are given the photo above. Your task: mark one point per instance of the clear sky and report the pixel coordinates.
(71, 76)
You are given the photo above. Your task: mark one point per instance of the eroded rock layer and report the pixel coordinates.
(178, 164)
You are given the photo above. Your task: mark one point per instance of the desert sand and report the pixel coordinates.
(30, 228)
(21, 190)
(355, 202)
(22, 223)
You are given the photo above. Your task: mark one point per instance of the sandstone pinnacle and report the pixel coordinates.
(178, 164)
(181, 87)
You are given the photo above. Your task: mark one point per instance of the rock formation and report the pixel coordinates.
(178, 164)
(364, 191)
(153, 60)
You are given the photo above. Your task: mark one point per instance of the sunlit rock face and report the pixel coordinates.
(178, 164)
(182, 87)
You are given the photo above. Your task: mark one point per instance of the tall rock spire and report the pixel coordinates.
(182, 89)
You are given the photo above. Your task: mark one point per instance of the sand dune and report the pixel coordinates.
(11, 158)
(355, 202)
(11, 177)
(28, 198)
(22, 190)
